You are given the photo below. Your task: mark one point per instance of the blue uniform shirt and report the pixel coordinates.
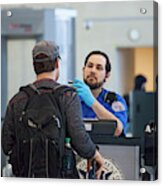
(118, 108)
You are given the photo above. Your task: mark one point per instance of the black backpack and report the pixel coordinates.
(41, 134)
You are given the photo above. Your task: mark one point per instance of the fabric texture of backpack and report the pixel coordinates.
(41, 134)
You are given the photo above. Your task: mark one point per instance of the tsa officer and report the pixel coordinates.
(96, 101)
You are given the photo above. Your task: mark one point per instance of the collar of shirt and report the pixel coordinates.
(100, 96)
(46, 83)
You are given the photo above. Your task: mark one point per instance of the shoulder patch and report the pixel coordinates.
(118, 106)
(17, 98)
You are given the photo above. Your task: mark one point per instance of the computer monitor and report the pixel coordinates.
(100, 127)
(142, 111)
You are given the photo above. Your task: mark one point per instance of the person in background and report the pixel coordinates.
(139, 83)
(46, 66)
(98, 102)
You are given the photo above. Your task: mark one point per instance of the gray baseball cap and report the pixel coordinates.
(48, 48)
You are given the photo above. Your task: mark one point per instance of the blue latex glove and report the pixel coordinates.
(84, 92)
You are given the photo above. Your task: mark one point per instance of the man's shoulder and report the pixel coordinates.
(109, 96)
(17, 98)
(65, 89)
(64, 92)
(115, 100)
(113, 94)
(119, 97)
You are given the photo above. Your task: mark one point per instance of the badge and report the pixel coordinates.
(118, 106)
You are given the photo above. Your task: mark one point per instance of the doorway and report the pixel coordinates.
(20, 64)
(134, 61)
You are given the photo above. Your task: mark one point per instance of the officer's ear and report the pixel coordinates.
(83, 68)
(107, 76)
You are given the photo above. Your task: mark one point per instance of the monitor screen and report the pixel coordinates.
(100, 127)
(142, 111)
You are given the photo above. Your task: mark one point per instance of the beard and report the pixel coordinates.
(94, 86)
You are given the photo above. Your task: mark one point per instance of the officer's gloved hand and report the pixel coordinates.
(84, 92)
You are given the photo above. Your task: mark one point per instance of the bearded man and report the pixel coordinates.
(96, 101)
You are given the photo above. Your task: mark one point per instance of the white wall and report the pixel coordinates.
(19, 65)
(111, 23)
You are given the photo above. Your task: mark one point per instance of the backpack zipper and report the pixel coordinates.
(57, 120)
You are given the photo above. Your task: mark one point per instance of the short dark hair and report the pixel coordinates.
(46, 66)
(108, 64)
(139, 80)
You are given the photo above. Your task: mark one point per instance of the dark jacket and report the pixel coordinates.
(81, 141)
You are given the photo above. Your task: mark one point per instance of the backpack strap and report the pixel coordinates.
(63, 89)
(30, 90)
